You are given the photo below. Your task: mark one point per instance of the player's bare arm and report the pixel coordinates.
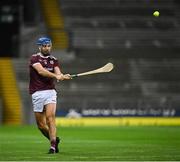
(42, 71)
(58, 72)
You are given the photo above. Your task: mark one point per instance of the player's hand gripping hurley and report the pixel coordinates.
(106, 68)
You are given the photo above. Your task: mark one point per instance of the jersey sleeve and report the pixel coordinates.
(34, 60)
(56, 63)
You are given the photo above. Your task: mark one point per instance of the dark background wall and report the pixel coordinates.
(9, 27)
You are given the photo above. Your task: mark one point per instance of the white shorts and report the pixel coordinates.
(41, 98)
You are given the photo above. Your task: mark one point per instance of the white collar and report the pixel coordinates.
(40, 54)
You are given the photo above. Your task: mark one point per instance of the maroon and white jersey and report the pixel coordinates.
(37, 81)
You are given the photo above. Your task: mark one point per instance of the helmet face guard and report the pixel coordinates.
(43, 41)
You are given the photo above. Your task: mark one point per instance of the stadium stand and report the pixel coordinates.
(117, 23)
(144, 49)
(12, 114)
(55, 23)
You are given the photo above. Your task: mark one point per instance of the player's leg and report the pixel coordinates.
(40, 116)
(50, 119)
(41, 123)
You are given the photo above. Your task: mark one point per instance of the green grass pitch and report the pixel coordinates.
(126, 143)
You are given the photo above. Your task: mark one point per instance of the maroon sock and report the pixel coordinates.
(53, 144)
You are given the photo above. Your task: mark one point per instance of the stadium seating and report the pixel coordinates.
(104, 29)
(11, 99)
(118, 24)
(144, 49)
(161, 75)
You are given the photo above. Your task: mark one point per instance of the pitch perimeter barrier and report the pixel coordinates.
(1, 111)
(119, 121)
